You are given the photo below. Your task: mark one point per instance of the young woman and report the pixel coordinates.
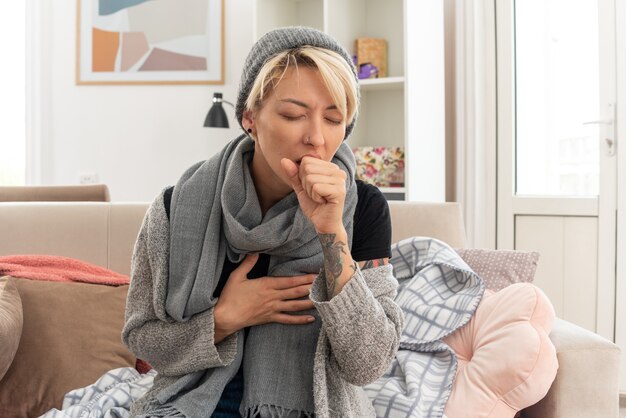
(260, 281)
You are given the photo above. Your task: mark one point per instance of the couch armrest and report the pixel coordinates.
(587, 382)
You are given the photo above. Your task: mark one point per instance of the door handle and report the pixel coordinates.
(610, 140)
(599, 122)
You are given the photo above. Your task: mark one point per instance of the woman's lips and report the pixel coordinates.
(310, 155)
(299, 160)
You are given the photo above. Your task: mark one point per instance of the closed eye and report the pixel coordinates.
(333, 121)
(289, 117)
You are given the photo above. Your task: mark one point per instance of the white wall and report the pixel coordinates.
(138, 139)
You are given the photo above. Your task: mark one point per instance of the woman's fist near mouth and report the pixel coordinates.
(321, 189)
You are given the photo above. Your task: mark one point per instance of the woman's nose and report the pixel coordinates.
(315, 133)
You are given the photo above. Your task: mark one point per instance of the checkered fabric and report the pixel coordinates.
(110, 397)
(438, 293)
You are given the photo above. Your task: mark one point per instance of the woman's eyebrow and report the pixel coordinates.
(306, 106)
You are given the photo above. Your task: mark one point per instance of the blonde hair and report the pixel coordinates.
(336, 75)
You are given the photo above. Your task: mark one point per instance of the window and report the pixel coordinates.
(557, 91)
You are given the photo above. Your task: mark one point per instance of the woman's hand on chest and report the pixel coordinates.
(246, 302)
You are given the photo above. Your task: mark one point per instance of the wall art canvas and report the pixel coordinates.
(150, 42)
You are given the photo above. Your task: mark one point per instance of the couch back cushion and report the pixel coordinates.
(443, 221)
(105, 233)
(69, 193)
(96, 232)
(71, 336)
(125, 220)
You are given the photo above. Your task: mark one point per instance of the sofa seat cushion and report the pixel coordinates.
(71, 336)
(506, 359)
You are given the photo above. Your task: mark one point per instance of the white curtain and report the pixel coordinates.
(39, 49)
(13, 85)
(475, 98)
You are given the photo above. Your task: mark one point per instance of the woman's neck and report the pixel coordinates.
(269, 188)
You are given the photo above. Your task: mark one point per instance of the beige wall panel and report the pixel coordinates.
(580, 270)
(544, 234)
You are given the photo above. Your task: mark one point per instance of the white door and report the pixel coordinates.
(620, 317)
(557, 178)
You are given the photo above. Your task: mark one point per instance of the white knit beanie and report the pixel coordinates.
(279, 40)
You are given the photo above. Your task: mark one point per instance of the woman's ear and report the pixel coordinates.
(248, 120)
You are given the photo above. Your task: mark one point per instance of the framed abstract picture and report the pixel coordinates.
(150, 42)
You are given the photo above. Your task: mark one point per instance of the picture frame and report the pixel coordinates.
(163, 42)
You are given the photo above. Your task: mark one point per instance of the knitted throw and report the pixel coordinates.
(215, 213)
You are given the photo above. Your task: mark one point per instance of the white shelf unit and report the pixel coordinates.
(385, 83)
(392, 189)
(389, 116)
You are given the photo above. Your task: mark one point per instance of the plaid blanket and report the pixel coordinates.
(110, 397)
(439, 293)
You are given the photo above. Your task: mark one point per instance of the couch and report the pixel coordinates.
(69, 193)
(104, 234)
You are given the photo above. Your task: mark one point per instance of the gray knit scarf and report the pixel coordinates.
(215, 213)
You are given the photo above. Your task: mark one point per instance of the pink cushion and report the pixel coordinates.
(506, 360)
